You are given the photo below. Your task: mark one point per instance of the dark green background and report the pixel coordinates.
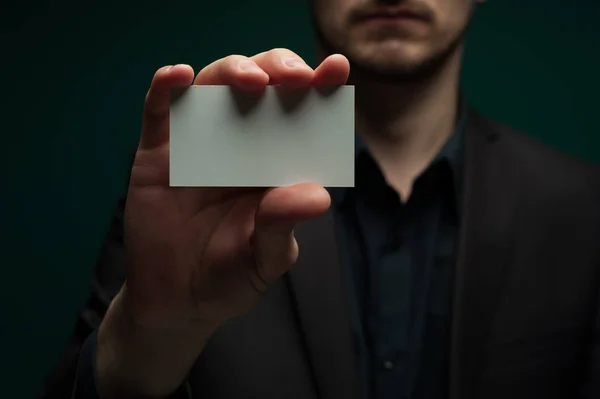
(73, 80)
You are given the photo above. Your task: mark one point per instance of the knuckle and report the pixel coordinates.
(223, 69)
(281, 51)
(283, 54)
(261, 54)
(233, 59)
(152, 107)
(276, 54)
(160, 70)
(149, 102)
(151, 92)
(231, 62)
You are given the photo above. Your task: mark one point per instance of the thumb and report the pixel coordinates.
(274, 247)
(155, 122)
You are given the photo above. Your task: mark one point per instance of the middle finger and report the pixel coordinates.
(285, 67)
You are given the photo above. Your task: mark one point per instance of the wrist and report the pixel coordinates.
(133, 360)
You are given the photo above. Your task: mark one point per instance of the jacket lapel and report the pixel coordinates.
(485, 251)
(316, 284)
(491, 183)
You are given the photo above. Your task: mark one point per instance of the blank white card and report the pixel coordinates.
(220, 136)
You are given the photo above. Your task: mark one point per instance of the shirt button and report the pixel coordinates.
(388, 365)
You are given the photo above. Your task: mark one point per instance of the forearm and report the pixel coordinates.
(135, 362)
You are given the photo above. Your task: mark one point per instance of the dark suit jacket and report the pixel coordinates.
(526, 304)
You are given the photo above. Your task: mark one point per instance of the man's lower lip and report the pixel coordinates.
(395, 18)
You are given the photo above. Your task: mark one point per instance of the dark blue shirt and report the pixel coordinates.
(398, 259)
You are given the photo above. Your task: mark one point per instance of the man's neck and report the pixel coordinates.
(405, 126)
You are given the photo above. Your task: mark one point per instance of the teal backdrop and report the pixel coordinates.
(74, 76)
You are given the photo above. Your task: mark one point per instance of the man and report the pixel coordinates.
(464, 264)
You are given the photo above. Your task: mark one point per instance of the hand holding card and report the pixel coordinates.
(198, 256)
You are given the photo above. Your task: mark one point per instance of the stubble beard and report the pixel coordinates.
(393, 72)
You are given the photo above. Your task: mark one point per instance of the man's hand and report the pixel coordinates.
(197, 257)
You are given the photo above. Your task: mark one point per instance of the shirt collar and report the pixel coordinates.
(451, 152)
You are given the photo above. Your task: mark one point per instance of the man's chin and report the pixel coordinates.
(391, 62)
(395, 62)
(387, 69)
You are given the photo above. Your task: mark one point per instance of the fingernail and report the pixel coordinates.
(294, 62)
(178, 65)
(248, 66)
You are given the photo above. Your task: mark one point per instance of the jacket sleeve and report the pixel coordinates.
(74, 375)
(105, 283)
(591, 388)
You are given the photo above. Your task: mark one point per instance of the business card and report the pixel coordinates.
(221, 136)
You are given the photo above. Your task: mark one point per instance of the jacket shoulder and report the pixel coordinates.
(543, 165)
